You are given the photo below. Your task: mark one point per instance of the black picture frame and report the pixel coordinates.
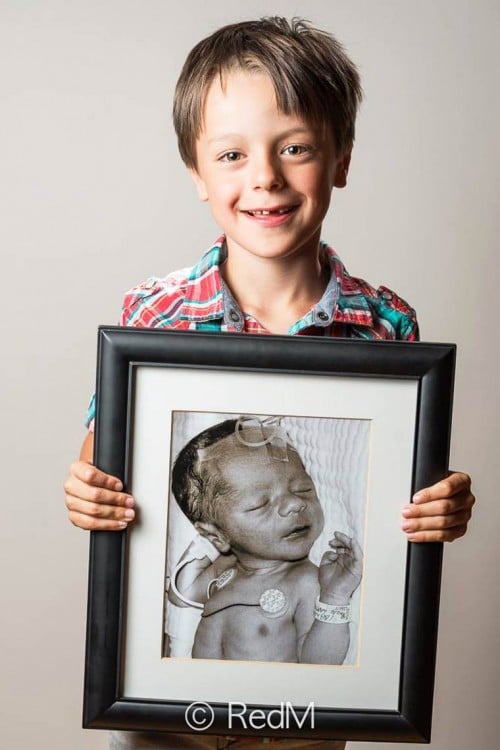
(429, 366)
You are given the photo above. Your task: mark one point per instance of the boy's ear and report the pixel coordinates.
(214, 535)
(199, 184)
(342, 170)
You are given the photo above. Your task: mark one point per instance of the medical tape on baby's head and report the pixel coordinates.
(255, 433)
(266, 439)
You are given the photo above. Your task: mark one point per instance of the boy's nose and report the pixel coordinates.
(291, 504)
(266, 173)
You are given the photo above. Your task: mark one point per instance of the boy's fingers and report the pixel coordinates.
(457, 482)
(440, 507)
(75, 488)
(441, 535)
(445, 528)
(89, 523)
(99, 510)
(90, 474)
(436, 523)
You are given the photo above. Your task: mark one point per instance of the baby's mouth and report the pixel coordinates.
(297, 532)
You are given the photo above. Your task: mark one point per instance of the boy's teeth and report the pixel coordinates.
(266, 213)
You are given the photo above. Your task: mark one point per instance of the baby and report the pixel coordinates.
(244, 487)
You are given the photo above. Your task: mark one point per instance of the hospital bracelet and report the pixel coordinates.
(332, 614)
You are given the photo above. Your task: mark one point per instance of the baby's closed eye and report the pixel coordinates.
(257, 506)
(302, 489)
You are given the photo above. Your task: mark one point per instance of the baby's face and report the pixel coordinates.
(273, 512)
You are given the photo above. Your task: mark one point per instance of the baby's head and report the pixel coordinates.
(244, 486)
(312, 77)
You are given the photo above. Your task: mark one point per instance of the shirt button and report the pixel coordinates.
(387, 296)
(234, 316)
(322, 316)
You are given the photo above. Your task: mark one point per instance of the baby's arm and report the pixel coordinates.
(208, 639)
(193, 577)
(339, 574)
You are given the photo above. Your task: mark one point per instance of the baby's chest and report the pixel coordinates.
(255, 617)
(269, 599)
(249, 632)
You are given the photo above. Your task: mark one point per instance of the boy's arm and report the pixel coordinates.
(95, 500)
(440, 513)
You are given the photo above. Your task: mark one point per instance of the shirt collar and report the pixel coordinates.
(208, 298)
(351, 304)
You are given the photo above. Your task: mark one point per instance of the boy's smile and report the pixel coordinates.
(267, 176)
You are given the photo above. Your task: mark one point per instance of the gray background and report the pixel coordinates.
(94, 199)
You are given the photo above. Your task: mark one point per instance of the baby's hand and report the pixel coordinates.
(340, 570)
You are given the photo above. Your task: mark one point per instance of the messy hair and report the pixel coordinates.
(197, 489)
(311, 74)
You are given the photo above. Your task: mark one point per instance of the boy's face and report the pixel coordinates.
(272, 511)
(267, 176)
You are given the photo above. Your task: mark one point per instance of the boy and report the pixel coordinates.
(244, 487)
(264, 113)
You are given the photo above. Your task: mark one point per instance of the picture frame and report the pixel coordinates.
(404, 391)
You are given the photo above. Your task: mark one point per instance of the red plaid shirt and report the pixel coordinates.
(198, 299)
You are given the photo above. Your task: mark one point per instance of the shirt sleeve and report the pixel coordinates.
(411, 331)
(90, 416)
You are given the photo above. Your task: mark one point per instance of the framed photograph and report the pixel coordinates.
(266, 587)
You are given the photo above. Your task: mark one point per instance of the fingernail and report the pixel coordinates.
(129, 501)
(118, 485)
(406, 525)
(406, 511)
(129, 514)
(417, 497)
(121, 525)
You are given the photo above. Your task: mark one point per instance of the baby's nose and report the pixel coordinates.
(291, 504)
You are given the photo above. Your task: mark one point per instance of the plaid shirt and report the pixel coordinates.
(197, 299)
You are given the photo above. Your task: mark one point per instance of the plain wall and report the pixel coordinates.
(94, 198)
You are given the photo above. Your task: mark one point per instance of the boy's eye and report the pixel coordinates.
(296, 149)
(230, 156)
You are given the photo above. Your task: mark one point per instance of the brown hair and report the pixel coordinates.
(310, 71)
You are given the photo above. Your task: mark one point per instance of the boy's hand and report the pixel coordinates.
(340, 570)
(95, 500)
(440, 513)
